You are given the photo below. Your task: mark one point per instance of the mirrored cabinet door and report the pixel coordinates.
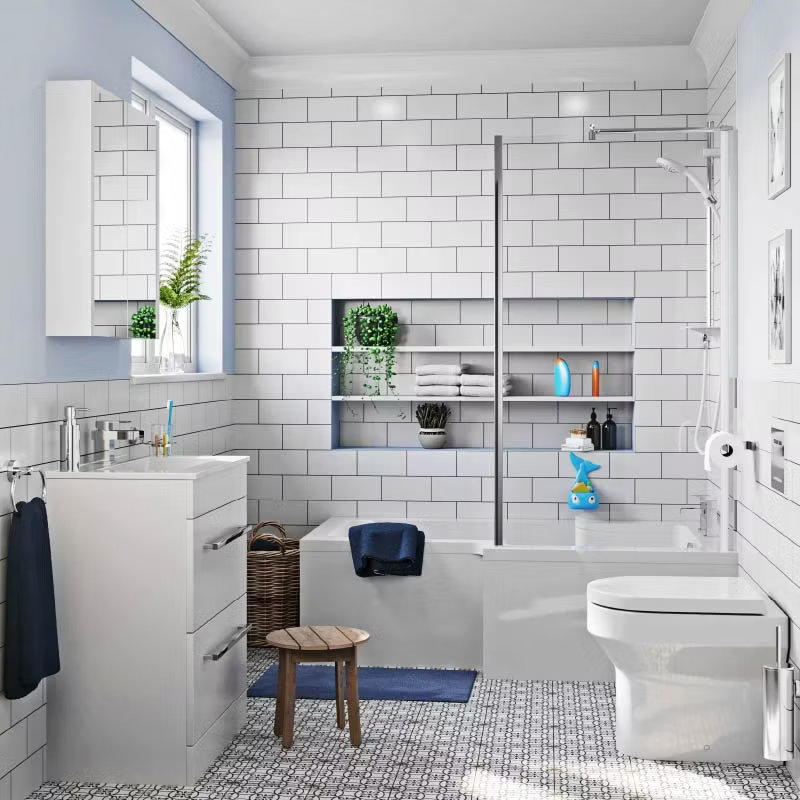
(102, 212)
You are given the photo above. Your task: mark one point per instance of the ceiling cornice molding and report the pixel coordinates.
(195, 28)
(409, 70)
(716, 32)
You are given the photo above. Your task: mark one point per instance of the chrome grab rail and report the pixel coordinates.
(241, 632)
(227, 538)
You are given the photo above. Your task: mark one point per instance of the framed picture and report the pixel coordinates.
(780, 299)
(779, 128)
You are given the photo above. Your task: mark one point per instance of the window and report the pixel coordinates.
(177, 188)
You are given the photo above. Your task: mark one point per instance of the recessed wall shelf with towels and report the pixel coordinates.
(460, 331)
(516, 398)
(14, 471)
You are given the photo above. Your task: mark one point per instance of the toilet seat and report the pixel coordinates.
(672, 594)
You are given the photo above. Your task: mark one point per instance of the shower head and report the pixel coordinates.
(676, 168)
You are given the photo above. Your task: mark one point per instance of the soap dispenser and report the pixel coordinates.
(593, 431)
(609, 435)
(71, 439)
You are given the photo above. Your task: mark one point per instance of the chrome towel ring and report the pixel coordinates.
(14, 471)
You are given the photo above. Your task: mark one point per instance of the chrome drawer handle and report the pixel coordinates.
(241, 632)
(227, 538)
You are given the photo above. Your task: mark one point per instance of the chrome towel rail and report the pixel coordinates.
(14, 471)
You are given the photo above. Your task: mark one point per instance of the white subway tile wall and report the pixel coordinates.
(389, 197)
(30, 416)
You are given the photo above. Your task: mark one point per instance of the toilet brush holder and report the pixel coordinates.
(780, 689)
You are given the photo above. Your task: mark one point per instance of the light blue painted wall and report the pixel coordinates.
(44, 40)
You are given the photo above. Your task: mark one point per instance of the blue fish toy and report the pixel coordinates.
(582, 495)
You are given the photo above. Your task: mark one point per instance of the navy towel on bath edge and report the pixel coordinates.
(31, 651)
(386, 548)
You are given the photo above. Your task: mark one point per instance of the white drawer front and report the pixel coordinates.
(200, 756)
(217, 668)
(219, 562)
(216, 489)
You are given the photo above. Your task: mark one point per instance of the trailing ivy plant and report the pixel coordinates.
(432, 415)
(370, 337)
(143, 323)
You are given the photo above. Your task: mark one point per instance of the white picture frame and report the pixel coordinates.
(779, 131)
(779, 299)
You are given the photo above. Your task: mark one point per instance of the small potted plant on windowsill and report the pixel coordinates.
(432, 418)
(143, 337)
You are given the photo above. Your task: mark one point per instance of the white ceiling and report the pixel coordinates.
(313, 27)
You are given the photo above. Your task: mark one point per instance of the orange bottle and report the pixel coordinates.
(595, 379)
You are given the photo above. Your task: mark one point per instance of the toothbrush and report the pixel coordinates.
(170, 405)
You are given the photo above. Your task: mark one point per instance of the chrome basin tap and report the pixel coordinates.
(107, 437)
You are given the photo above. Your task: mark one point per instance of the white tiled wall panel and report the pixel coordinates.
(390, 197)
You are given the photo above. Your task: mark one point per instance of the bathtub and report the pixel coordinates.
(517, 611)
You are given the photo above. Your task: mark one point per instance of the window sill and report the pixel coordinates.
(178, 377)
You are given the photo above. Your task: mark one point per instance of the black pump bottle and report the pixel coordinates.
(593, 431)
(609, 435)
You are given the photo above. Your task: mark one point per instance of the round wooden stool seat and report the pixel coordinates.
(316, 637)
(314, 644)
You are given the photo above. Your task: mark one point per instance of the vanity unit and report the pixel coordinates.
(150, 570)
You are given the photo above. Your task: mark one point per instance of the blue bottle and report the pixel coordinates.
(561, 378)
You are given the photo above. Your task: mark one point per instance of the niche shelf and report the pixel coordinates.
(484, 349)
(458, 330)
(509, 398)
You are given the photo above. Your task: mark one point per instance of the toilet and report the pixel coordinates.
(688, 654)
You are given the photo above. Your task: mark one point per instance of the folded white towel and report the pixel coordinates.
(439, 369)
(438, 380)
(482, 391)
(479, 380)
(443, 391)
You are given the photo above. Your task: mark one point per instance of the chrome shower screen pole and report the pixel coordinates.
(498, 340)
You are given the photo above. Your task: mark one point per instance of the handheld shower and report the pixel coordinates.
(676, 168)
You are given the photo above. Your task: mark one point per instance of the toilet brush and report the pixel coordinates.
(779, 690)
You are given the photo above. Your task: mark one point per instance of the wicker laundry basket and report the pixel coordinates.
(273, 582)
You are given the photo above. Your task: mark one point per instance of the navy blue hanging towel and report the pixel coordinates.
(386, 548)
(31, 651)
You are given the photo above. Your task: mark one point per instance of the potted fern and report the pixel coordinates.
(183, 260)
(432, 418)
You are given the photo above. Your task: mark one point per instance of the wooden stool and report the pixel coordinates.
(308, 645)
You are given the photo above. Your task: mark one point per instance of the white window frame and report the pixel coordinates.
(156, 106)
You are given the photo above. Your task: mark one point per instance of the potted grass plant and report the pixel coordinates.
(432, 419)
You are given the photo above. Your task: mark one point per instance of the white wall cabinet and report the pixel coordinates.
(101, 189)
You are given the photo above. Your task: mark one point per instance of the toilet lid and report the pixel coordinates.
(678, 595)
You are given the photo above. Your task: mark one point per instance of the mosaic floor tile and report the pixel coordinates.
(513, 740)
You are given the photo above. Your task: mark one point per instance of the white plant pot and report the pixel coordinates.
(432, 438)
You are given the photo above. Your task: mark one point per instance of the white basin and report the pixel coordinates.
(178, 467)
(163, 464)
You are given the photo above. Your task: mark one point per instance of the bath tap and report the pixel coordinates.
(702, 504)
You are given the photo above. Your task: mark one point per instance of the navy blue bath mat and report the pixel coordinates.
(317, 682)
